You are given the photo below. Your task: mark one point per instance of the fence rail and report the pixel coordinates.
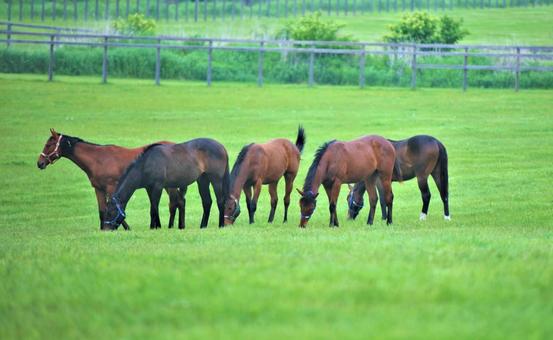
(204, 10)
(513, 58)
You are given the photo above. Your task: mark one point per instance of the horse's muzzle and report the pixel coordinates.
(41, 165)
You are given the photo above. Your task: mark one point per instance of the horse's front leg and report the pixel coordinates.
(256, 193)
(371, 190)
(154, 194)
(102, 204)
(334, 193)
(109, 191)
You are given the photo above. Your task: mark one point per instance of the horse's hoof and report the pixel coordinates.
(422, 217)
(447, 218)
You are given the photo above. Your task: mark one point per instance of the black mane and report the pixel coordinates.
(69, 142)
(239, 161)
(135, 162)
(313, 168)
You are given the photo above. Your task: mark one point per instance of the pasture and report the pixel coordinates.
(487, 273)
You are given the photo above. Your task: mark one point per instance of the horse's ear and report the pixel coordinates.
(350, 187)
(53, 132)
(299, 191)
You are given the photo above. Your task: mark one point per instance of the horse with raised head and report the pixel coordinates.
(365, 159)
(103, 164)
(201, 160)
(259, 164)
(420, 157)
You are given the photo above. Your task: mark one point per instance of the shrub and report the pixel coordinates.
(421, 27)
(135, 24)
(312, 27)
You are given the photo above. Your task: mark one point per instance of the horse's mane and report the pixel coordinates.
(313, 168)
(135, 162)
(239, 161)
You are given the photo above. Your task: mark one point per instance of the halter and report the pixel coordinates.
(236, 211)
(353, 203)
(53, 153)
(120, 212)
(307, 217)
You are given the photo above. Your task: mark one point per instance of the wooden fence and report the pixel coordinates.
(510, 58)
(195, 10)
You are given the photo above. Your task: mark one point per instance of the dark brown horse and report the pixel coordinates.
(103, 164)
(259, 164)
(365, 159)
(418, 156)
(161, 166)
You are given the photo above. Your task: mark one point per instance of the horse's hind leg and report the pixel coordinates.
(425, 195)
(154, 193)
(289, 180)
(274, 200)
(371, 191)
(382, 199)
(101, 198)
(388, 194)
(255, 198)
(203, 188)
(217, 183)
(442, 187)
(181, 196)
(173, 205)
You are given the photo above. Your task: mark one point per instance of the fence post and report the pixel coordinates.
(196, 4)
(465, 69)
(517, 70)
(311, 65)
(105, 61)
(158, 61)
(32, 9)
(362, 67)
(10, 10)
(53, 10)
(51, 64)
(75, 9)
(209, 60)
(20, 10)
(9, 35)
(64, 10)
(260, 65)
(42, 10)
(106, 10)
(205, 10)
(414, 68)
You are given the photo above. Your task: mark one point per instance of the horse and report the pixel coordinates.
(259, 164)
(365, 159)
(103, 164)
(418, 156)
(201, 160)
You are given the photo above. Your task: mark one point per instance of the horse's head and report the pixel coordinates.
(232, 210)
(308, 203)
(115, 214)
(51, 151)
(355, 202)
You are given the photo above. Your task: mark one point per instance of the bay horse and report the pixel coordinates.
(259, 164)
(365, 159)
(201, 160)
(418, 156)
(103, 164)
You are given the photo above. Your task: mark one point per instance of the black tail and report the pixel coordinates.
(397, 175)
(442, 161)
(226, 183)
(300, 140)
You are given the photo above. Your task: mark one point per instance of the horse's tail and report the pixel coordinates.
(226, 182)
(442, 162)
(300, 140)
(397, 175)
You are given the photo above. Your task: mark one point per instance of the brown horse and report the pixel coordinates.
(259, 164)
(103, 164)
(418, 156)
(365, 159)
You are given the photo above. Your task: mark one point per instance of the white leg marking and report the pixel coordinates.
(447, 218)
(422, 217)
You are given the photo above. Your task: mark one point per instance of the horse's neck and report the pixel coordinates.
(238, 182)
(318, 178)
(85, 156)
(128, 185)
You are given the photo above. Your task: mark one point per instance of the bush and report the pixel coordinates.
(135, 24)
(312, 27)
(421, 27)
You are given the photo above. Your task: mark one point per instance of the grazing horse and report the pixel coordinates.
(365, 159)
(418, 156)
(161, 166)
(103, 164)
(259, 164)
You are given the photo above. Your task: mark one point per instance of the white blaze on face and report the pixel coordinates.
(422, 217)
(447, 217)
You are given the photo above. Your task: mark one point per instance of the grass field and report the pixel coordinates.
(510, 26)
(486, 274)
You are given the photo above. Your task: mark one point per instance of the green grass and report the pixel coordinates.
(527, 26)
(485, 274)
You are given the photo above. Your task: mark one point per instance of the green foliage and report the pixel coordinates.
(421, 27)
(135, 24)
(312, 28)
